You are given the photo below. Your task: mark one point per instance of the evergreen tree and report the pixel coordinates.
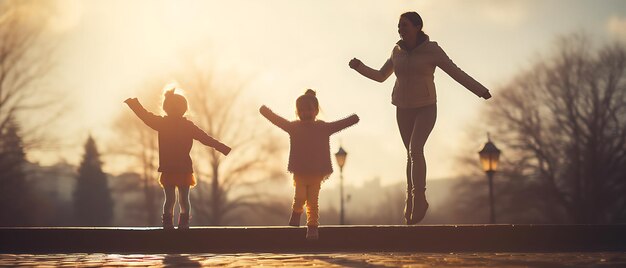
(92, 198)
(14, 195)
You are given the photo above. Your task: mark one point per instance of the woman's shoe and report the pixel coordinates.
(418, 215)
(408, 207)
(420, 206)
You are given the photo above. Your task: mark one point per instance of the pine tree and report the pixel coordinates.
(14, 195)
(92, 198)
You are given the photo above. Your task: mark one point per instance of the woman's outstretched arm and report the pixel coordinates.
(339, 125)
(150, 119)
(376, 75)
(445, 63)
(274, 118)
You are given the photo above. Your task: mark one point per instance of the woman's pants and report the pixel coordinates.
(415, 125)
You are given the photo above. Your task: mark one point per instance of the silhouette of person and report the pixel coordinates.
(413, 60)
(176, 135)
(309, 155)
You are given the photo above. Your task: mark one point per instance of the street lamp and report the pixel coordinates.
(340, 156)
(489, 156)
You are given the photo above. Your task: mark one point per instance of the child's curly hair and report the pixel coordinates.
(174, 104)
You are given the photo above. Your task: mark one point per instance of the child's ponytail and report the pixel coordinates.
(310, 92)
(169, 93)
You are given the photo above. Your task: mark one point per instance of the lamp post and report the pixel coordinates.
(340, 156)
(489, 156)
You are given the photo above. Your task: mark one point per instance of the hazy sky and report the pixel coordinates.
(281, 48)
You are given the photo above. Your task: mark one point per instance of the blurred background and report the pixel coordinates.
(72, 154)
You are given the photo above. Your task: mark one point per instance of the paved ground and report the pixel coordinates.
(398, 259)
(357, 238)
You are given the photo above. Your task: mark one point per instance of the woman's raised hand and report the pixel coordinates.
(487, 95)
(355, 63)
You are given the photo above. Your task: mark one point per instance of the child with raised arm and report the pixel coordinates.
(309, 155)
(176, 135)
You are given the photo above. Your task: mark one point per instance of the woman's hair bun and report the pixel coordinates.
(310, 92)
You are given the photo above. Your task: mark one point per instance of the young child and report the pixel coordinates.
(309, 156)
(176, 135)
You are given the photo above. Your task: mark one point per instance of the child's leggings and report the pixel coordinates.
(307, 191)
(170, 199)
(415, 125)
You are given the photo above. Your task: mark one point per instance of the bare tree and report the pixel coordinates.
(25, 59)
(236, 180)
(562, 126)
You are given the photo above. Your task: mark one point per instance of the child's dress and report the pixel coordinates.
(176, 135)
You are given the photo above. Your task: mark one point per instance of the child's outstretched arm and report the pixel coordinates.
(343, 123)
(277, 120)
(150, 119)
(207, 140)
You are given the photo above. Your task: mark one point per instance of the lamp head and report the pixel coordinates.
(340, 156)
(489, 156)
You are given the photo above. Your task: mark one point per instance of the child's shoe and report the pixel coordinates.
(312, 233)
(295, 219)
(183, 221)
(167, 221)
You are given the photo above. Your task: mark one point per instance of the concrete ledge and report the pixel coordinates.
(423, 238)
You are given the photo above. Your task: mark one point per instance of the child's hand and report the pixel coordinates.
(226, 150)
(223, 148)
(264, 109)
(355, 63)
(131, 100)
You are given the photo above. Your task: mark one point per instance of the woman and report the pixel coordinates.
(413, 60)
